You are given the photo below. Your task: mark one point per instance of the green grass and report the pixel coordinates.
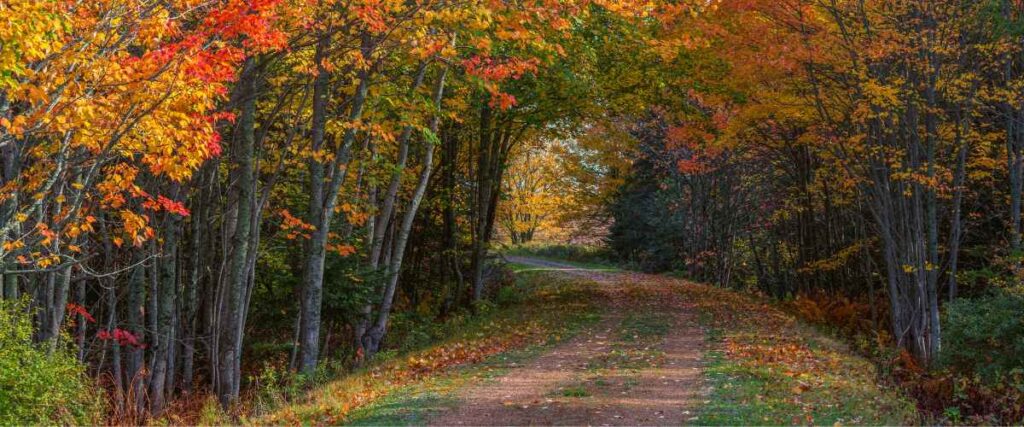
(759, 395)
(594, 266)
(763, 367)
(744, 396)
(403, 407)
(646, 326)
(593, 257)
(575, 391)
(637, 343)
(519, 268)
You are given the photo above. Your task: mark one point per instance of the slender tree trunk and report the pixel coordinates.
(115, 348)
(1014, 145)
(371, 342)
(9, 171)
(163, 338)
(390, 198)
(959, 177)
(322, 214)
(80, 334)
(449, 257)
(483, 197)
(309, 314)
(190, 293)
(243, 196)
(136, 320)
(57, 308)
(932, 204)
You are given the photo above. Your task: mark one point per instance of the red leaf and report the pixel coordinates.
(74, 309)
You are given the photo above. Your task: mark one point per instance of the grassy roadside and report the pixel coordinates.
(594, 266)
(590, 257)
(403, 388)
(763, 366)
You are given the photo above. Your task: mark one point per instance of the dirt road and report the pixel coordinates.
(639, 365)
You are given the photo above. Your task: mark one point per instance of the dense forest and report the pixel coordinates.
(198, 195)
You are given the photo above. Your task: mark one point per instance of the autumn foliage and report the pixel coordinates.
(179, 177)
(858, 159)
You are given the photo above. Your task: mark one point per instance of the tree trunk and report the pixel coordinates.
(243, 196)
(322, 207)
(163, 338)
(136, 320)
(483, 198)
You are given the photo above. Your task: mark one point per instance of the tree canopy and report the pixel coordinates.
(181, 176)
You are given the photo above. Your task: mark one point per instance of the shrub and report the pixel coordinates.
(36, 387)
(276, 386)
(985, 335)
(508, 296)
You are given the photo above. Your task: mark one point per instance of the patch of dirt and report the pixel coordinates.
(603, 376)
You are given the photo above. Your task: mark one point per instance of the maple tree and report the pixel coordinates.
(533, 193)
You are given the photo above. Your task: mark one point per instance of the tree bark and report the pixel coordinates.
(322, 205)
(242, 199)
